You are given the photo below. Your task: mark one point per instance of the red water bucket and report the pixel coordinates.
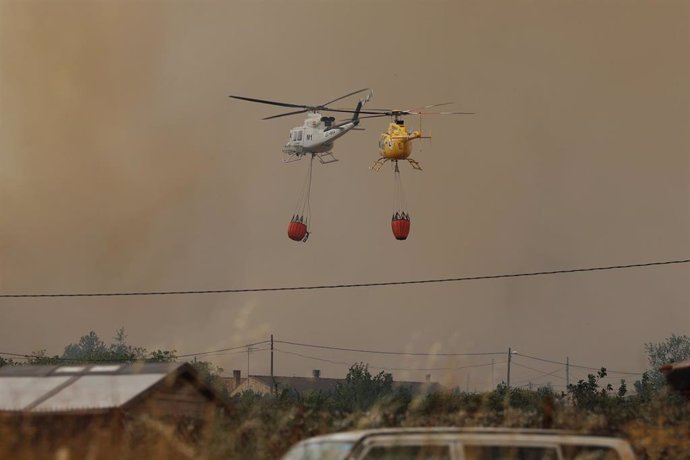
(400, 227)
(297, 231)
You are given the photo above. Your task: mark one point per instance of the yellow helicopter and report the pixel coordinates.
(396, 143)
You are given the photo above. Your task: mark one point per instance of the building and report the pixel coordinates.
(678, 376)
(265, 384)
(105, 411)
(162, 390)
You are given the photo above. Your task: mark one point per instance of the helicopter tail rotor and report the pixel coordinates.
(355, 117)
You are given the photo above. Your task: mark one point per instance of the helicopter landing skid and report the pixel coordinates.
(378, 164)
(415, 164)
(291, 157)
(326, 158)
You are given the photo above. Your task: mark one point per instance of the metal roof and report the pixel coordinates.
(101, 368)
(16, 393)
(78, 387)
(98, 392)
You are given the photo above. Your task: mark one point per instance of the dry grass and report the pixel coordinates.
(260, 428)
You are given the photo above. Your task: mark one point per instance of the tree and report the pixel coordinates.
(120, 348)
(587, 394)
(671, 350)
(90, 348)
(161, 356)
(207, 370)
(211, 374)
(361, 390)
(40, 358)
(644, 388)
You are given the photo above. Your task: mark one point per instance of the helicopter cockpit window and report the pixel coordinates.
(299, 135)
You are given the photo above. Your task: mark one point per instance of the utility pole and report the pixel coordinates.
(467, 386)
(493, 382)
(249, 350)
(567, 371)
(510, 354)
(273, 384)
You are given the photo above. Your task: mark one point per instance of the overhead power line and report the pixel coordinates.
(221, 350)
(368, 351)
(351, 285)
(456, 368)
(610, 371)
(550, 384)
(244, 348)
(385, 368)
(323, 360)
(217, 352)
(541, 372)
(237, 352)
(380, 352)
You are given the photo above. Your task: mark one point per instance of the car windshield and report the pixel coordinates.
(478, 452)
(326, 450)
(576, 452)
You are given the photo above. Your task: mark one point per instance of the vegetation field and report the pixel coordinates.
(653, 419)
(264, 427)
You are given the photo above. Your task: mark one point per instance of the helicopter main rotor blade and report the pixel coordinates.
(325, 109)
(343, 97)
(440, 113)
(372, 110)
(399, 113)
(264, 101)
(416, 109)
(379, 115)
(367, 112)
(285, 114)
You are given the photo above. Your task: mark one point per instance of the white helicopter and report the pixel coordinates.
(318, 133)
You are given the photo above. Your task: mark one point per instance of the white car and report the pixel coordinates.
(460, 444)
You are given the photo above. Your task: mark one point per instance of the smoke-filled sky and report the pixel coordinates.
(124, 166)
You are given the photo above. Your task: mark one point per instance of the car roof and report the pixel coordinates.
(354, 436)
(361, 435)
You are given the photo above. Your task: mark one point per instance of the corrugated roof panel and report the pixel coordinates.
(18, 392)
(105, 368)
(70, 369)
(99, 392)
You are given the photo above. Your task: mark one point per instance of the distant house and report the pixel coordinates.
(231, 383)
(265, 384)
(161, 390)
(678, 376)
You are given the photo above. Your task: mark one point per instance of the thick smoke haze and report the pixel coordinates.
(124, 166)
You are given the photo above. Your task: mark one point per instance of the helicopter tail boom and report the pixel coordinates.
(355, 117)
